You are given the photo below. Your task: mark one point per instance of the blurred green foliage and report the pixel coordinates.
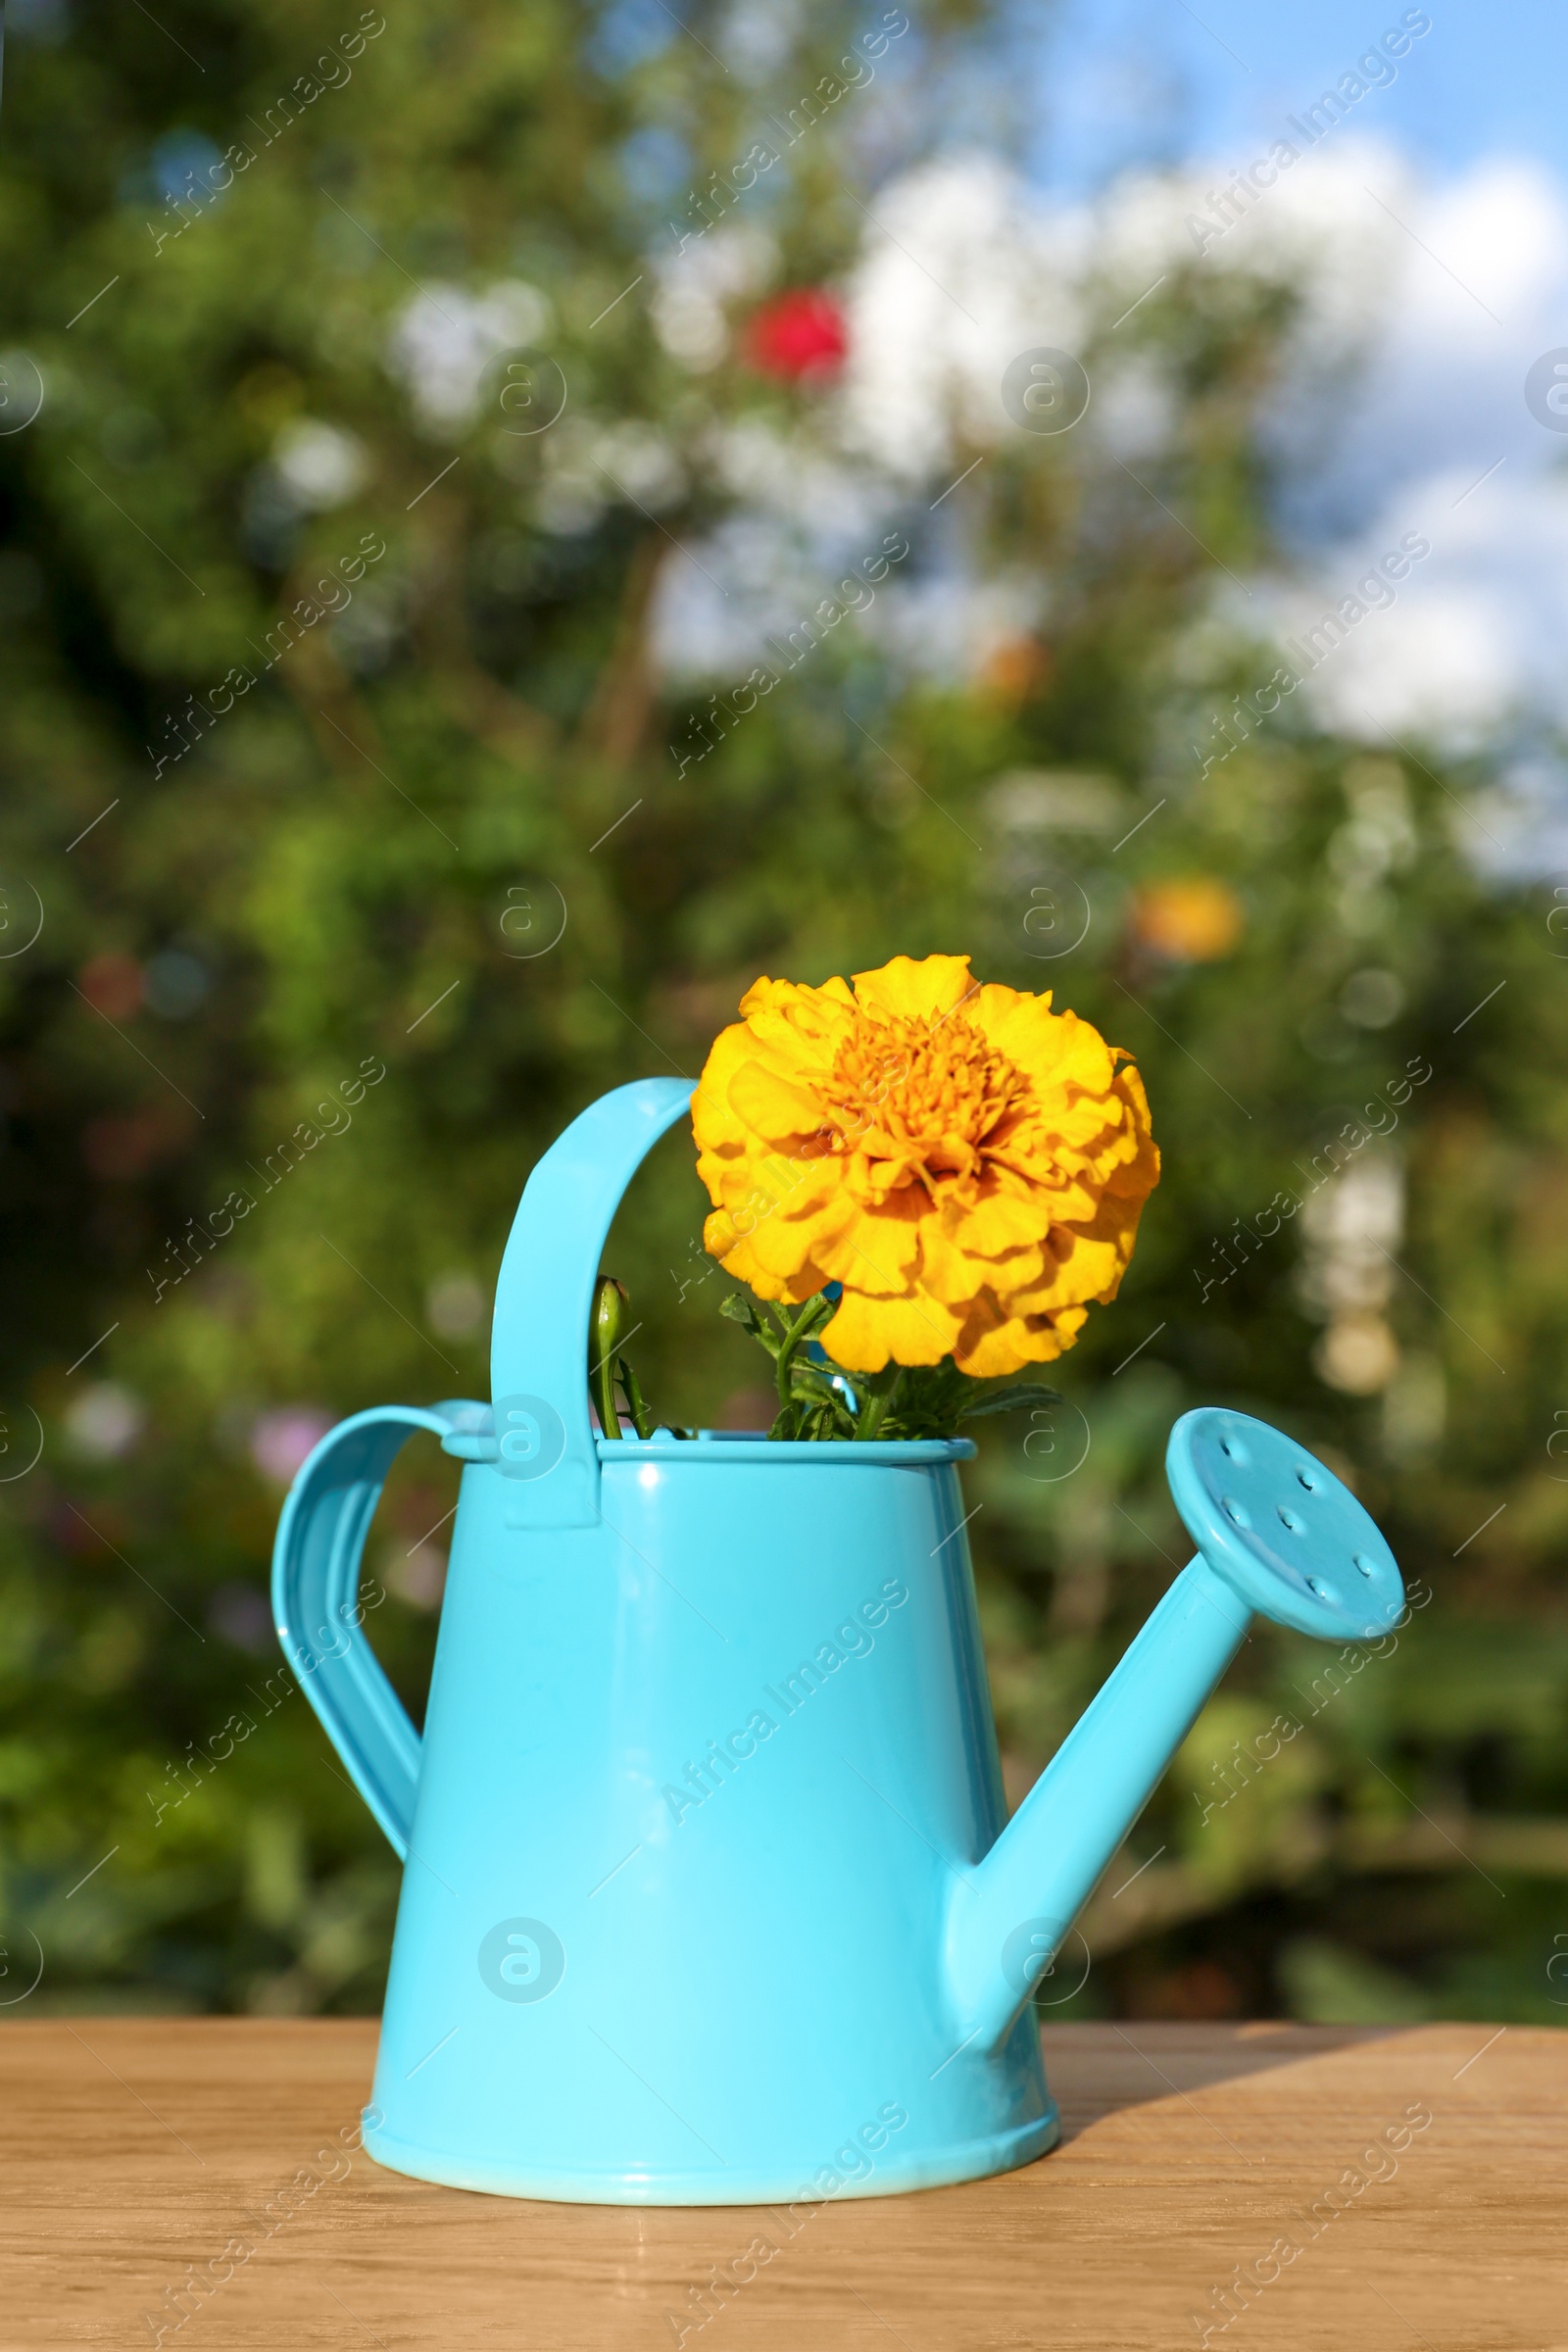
(351, 869)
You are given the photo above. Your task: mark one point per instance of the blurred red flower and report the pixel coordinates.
(113, 985)
(797, 334)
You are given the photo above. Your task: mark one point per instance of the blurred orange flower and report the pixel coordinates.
(1193, 921)
(1015, 670)
(968, 1164)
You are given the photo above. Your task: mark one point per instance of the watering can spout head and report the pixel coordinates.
(1278, 1534)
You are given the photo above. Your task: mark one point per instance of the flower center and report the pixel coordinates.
(925, 1092)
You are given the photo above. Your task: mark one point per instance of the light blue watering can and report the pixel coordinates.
(709, 1896)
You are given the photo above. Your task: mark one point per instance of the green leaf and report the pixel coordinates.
(740, 1309)
(1015, 1399)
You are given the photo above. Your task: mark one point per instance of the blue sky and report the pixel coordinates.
(1133, 81)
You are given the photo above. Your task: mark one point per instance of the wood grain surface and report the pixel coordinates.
(134, 2149)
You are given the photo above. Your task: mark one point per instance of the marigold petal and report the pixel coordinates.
(1002, 1221)
(866, 1333)
(956, 1275)
(716, 1125)
(1077, 1270)
(772, 1107)
(739, 1259)
(877, 1253)
(784, 1249)
(929, 988)
(993, 1345)
(763, 993)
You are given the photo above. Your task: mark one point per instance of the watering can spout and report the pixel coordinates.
(1278, 1536)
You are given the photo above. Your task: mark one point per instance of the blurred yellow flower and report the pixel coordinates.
(968, 1164)
(1195, 920)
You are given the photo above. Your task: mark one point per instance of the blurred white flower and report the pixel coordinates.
(320, 465)
(693, 287)
(105, 1422)
(1350, 1228)
(1357, 1353)
(1372, 997)
(444, 339)
(1137, 410)
(453, 1306)
(1025, 800)
(951, 625)
(572, 493)
(968, 271)
(418, 1576)
(801, 478)
(1351, 1225)
(639, 461)
(280, 1440)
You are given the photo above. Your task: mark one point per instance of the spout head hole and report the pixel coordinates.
(1304, 1477)
(1366, 1567)
(1324, 1592)
(1292, 1519)
(1234, 1449)
(1236, 1510)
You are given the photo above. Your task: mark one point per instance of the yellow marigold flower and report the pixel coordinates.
(970, 1165)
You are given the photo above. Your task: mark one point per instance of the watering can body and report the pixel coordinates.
(708, 1895)
(680, 1860)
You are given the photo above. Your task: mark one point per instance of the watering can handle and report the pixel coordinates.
(544, 1297)
(316, 1590)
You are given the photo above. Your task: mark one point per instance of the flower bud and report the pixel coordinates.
(607, 1327)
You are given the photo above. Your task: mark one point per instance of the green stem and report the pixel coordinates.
(804, 1323)
(786, 1357)
(876, 1403)
(602, 1383)
(641, 1414)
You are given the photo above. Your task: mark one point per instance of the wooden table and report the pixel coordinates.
(135, 2148)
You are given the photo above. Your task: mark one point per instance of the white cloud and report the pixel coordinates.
(1434, 436)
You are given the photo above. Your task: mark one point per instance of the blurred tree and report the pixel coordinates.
(401, 374)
